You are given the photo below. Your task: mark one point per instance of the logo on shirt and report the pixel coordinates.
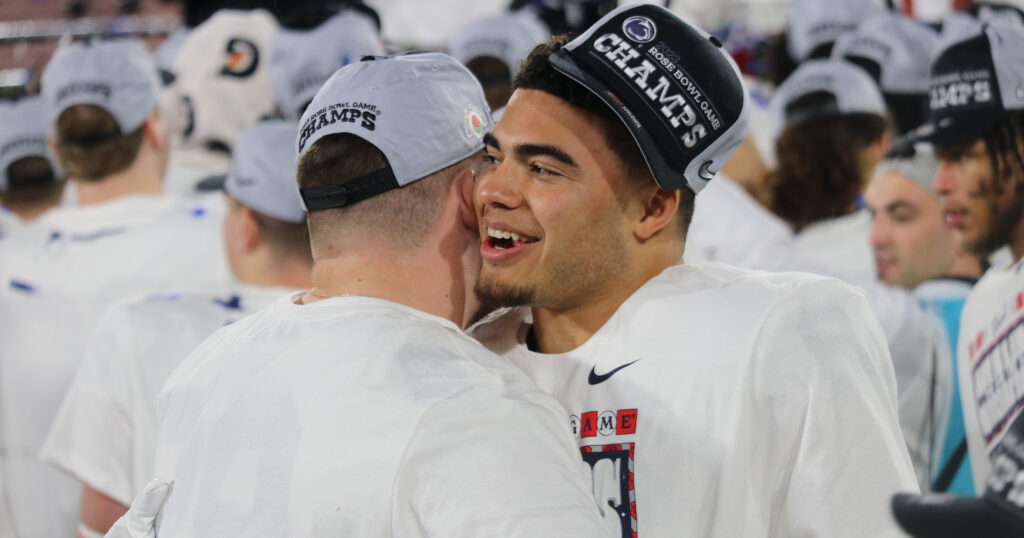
(612, 467)
(605, 423)
(595, 378)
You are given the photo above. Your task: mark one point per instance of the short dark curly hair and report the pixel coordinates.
(537, 73)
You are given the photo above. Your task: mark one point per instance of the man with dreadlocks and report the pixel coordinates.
(977, 126)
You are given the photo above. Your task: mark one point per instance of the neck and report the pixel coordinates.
(30, 209)
(142, 177)
(276, 271)
(965, 266)
(563, 330)
(1017, 242)
(432, 280)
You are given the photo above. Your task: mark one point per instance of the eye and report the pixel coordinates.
(491, 159)
(540, 170)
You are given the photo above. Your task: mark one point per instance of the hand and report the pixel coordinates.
(140, 521)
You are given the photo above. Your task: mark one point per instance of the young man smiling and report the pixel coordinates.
(977, 126)
(706, 400)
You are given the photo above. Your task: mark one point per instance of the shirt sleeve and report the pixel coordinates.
(826, 377)
(493, 467)
(92, 436)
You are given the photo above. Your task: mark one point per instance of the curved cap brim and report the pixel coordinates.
(949, 516)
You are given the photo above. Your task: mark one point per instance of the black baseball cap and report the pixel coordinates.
(974, 82)
(999, 512)
(677, 91)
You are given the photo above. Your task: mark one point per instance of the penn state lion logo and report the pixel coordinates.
(640, 29)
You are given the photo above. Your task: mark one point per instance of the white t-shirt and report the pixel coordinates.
(730, 226)
(718, 402)
(356, 416)
(76, 262)
(841, 244)
(990, 359)
(8, 222)
(105, 432)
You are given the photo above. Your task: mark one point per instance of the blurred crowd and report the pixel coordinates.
(148, 198)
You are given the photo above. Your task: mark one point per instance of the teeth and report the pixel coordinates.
(503, 234)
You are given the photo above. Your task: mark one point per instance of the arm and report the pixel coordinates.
(493, 466)
(99, 512)
(92, 437)
(827, 375)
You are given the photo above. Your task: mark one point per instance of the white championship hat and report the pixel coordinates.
(262, 172)
(118, 76)
(508, 37)
(841, 88)
(23, 127)
(813, 23)
(302, 60)
(424, 111)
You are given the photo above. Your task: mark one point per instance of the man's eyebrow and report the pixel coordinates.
(899, 204)
(489, 140)
(531, 150)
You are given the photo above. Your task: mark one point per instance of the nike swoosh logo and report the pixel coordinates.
(595, 378)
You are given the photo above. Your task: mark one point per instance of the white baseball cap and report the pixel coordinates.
(895, 49)
(424, 111)
(843, 87)
(508, 37)
(221, 83)
(262, 173)
(813, 23)
(118, 76)
(915, 162)
(23, 128)
(302, 60)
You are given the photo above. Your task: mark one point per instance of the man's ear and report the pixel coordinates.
(658, 211)
(51, 141)
(249, 228)
(155, 129)
(463, 184)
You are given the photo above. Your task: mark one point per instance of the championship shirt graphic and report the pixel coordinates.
(997, 368)
(611, 464)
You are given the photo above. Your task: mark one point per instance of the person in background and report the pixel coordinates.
(301, 60)
(494, 47)
(979, 140)
(105, 432)
(916, 249)
(31, 180)
(895, 50)
(124, 237)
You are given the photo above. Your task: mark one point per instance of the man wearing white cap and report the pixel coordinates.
(31, 181)
(301, 61)
(105, 432)
(895, 50)
(494, 47)
(124, 238)
(915, 249)
(359, 408)
(706, 400)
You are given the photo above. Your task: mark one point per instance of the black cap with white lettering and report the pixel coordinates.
(999, 512)
(679, 94)
(974, 82)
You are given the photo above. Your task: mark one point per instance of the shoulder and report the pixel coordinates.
(729, 289)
